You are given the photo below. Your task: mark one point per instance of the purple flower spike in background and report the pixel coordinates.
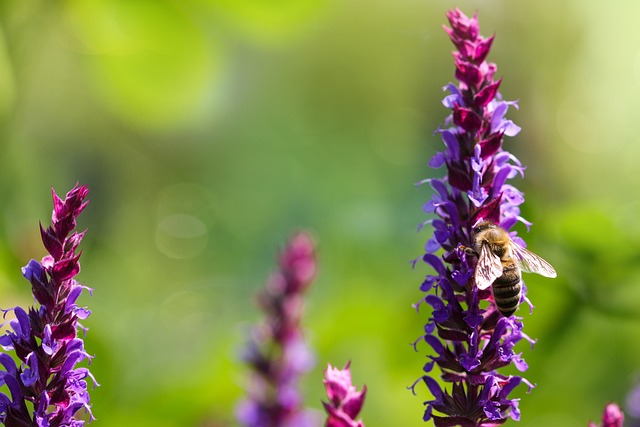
(612, 417)
(47, 389)
(469, 337)
(345, 402)
(278, 354)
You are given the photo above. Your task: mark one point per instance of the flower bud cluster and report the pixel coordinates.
(278, 355)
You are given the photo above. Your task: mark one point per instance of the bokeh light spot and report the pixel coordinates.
(181, 236)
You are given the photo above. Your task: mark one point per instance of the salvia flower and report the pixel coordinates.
(46, 387)
(278, 355)
(470, 339)
(611, 417)
(345, 401)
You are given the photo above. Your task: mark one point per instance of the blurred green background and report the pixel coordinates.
(209, 130)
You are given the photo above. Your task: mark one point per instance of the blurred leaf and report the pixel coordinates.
(268, 21)
(151, 63)
(601, 259)
(7, 89)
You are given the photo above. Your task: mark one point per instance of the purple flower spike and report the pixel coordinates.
(45, 339)
(278, 355)
(345, 402)
(470, 338)
(612, 416)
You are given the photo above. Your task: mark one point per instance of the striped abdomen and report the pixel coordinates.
(507, 290)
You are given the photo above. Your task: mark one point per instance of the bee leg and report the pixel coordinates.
(469, 251)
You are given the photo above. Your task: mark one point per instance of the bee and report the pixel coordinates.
(500, 262)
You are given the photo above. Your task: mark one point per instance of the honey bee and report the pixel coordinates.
(500, 262)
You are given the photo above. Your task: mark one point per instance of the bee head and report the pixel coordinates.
(483, 225)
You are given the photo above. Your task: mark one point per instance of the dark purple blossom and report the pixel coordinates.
(345, 401)
(47, 389)
(469, 338)
(278, 354)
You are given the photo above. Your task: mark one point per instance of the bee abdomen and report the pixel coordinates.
(506, 293)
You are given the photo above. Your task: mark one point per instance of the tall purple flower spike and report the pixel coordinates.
(345, 401)
(278, 355)
(47, 389)
(470, 339)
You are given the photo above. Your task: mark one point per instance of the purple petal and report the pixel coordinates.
(492, 410)
(30, 374)
(468, 362)
(441, 312)
(435, 343)
(48, 345)
(438, 160)
(451, 141)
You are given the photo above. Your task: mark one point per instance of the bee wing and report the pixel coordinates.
(530, 262)
(488, 269)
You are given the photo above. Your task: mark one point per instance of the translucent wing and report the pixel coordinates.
(530, 262)
(488, 269)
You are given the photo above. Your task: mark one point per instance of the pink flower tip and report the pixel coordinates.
(464, 26)
(613, 416)
(299, 258)
(345, 401)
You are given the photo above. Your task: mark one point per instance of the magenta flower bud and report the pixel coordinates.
(298, 261)
(612, 416)
(464, 30)
(345, 402)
